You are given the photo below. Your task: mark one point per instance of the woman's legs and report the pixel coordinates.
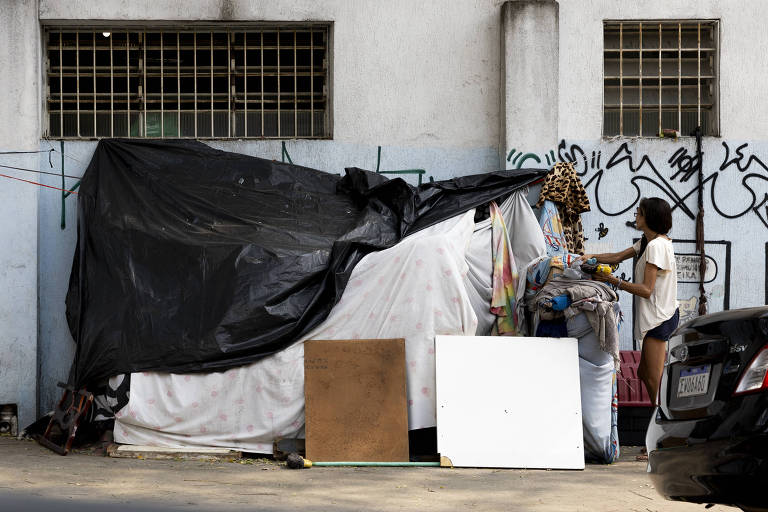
(650, 369)
(652, 365)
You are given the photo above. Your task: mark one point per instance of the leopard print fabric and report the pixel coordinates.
(563, 187)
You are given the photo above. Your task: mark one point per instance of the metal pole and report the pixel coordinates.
(245, 83)
(63, 197)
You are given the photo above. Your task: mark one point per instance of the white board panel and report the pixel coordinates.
(509, 402)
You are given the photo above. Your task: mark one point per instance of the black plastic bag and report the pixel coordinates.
(194, 259)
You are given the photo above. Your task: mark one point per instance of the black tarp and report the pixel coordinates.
(194, 259)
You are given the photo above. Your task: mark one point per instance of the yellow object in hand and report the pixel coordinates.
(603, 269)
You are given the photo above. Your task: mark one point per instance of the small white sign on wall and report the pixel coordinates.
(509, 402)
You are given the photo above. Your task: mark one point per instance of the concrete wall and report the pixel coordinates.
(529, 43)
(19, 131)
(743, 67)
(420, 74)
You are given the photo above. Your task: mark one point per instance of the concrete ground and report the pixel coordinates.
(32, 477)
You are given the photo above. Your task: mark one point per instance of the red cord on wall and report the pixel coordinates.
(39, 184)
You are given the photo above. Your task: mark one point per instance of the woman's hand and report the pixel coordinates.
(584, 258)
(605, 278)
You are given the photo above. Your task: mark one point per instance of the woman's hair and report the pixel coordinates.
(657, 214)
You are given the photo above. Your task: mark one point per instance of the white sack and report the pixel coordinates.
(596, 378)
(596, 393)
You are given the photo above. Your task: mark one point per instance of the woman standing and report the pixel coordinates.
(655, 285)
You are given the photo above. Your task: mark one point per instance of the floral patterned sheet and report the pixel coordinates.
(413, 290)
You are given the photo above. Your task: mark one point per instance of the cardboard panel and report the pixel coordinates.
(509, 402)
(355, 398)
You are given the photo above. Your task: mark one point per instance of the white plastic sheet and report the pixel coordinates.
(413, 290)
(527, 244)
(509, 402)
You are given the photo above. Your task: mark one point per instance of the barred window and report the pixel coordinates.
(660, 75)
(268, 82)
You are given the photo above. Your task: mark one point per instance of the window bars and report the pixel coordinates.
(660, 75)
(253, 83)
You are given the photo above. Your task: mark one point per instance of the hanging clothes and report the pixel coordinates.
(503, 302)
(545, 268)
(563, 186)
(552, 228)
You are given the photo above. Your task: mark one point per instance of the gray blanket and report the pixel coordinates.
(594, 298)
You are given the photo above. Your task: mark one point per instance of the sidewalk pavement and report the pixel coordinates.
(33, 478)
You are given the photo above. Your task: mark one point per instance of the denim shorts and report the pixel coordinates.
(665, 330)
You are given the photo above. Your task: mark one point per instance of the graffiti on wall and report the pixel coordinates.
(735, 178)
(618, 173)
(602, 231)
(717, 276)
(519, 159)
(688, 268)
(737, 185)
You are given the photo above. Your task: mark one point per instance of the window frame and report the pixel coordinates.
(714, 127)
(134, 27)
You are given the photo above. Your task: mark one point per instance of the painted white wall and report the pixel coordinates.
(743, 67)
(19, 131)
(405, 73)
(529, 43)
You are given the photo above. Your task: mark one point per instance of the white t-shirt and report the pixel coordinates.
(661, 306)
